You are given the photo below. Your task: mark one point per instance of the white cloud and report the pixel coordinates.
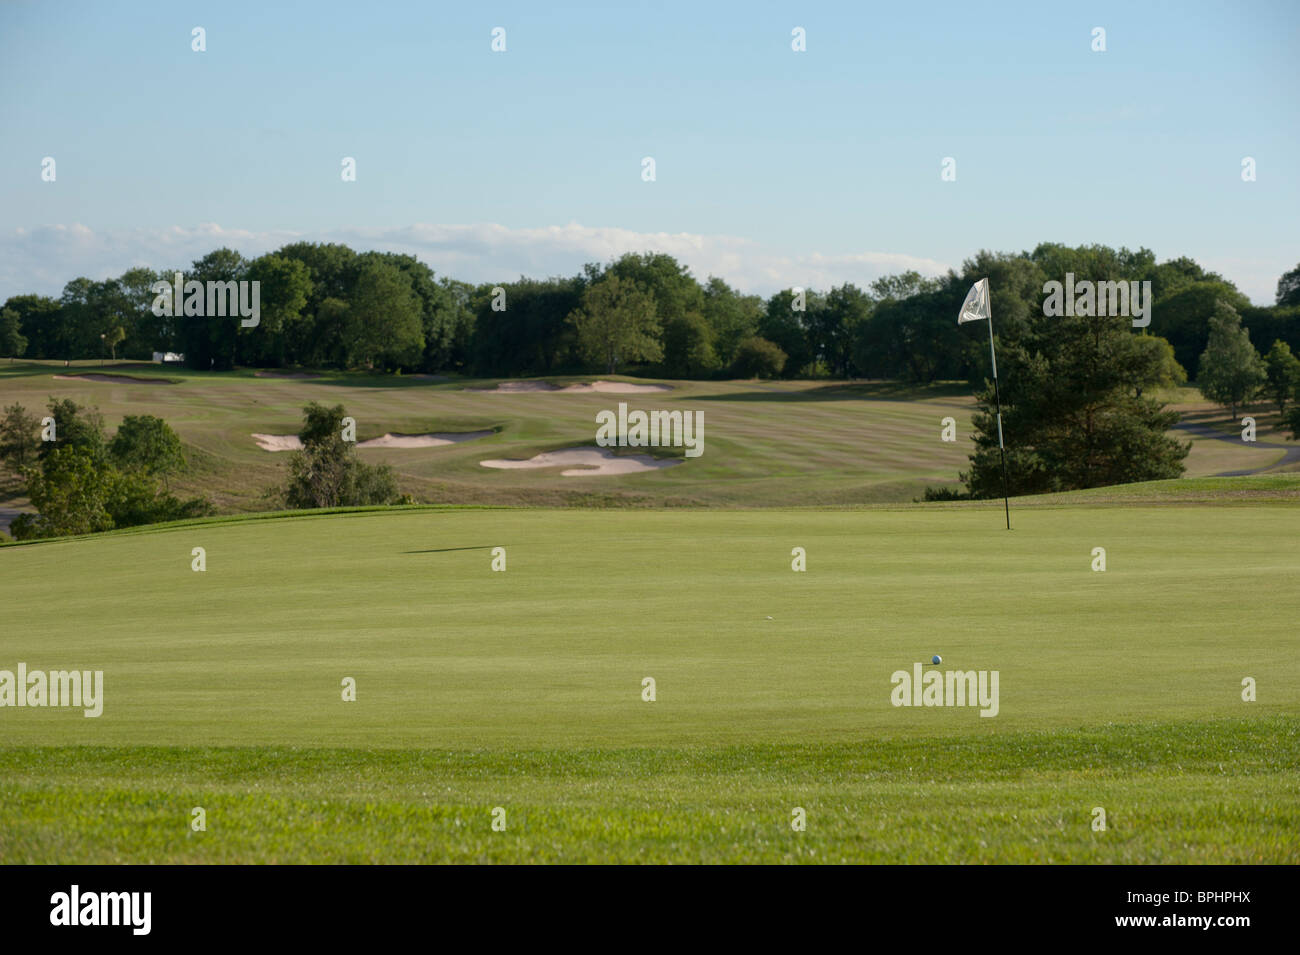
(45, 258)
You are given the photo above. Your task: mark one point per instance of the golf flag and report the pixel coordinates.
(976, 306)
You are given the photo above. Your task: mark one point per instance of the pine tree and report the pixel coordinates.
(1075, 410)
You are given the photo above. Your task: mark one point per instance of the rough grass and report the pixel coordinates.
(1214, 792)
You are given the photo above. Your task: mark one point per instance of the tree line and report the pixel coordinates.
(328, 306)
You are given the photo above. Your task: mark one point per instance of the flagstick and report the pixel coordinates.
(1006, 504)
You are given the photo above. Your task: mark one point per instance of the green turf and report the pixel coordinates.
(523, 689)
(767, 444)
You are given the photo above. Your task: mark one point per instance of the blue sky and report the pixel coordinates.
(774, 168)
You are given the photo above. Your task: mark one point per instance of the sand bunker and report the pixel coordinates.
(116, 379)
(291, 442)
(582, 462)
(432, 440)
(278, 442)
(609, 387)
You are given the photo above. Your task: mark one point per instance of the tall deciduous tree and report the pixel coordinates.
(1288, 288)
(12, 341)
(617, 324)
(386, 316)
(782, 323)
(1231, 371)
(688, 347)
(1283, 371)
(146, 443)
(19, 437)
(834, 328)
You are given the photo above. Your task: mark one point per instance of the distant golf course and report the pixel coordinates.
(768, 444)
(522, 689)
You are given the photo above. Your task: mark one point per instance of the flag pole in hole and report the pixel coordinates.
(977, 308)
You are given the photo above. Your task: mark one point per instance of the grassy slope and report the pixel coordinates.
(767, 444)
(523, 689)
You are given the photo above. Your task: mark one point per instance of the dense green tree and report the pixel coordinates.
(1271, 323)
(758, 358)
(333, 339)
(1165, 370)
(833, 329)
(12, 341)
(147, 444)
(782, 323)
(1288, 288)
(71, 491)
(19, 437)
(75, 426)
(285, 288)
(617, 324)
(1231, 371)
(143, 332)
(1176, 274)
(89, 313)
(38, 322)
(732, 316)
(688, 347)
(456, 353)
(332, 268)
(1183, 318)
(912, 333)
(1072, 417)
(325, 305)
(211, 341)
(669, 283)
(1282, 369)
(327, 473)
(522, 327)
(386, 317)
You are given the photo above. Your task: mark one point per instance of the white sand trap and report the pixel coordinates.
(278, 442)
(116, 379)
(583, 462)
(609, 387)
(433, 440)
(619, 388)
(515, 388)
(291, 442)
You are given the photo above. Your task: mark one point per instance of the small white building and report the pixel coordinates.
(167, 357)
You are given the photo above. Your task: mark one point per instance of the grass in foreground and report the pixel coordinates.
(1215, 792)
(522, 689)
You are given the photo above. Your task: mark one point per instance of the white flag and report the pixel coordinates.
(976, 307)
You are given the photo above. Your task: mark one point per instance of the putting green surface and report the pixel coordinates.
(523, 689)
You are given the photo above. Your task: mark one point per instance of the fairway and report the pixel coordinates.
(523, 689)
(768, 444)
